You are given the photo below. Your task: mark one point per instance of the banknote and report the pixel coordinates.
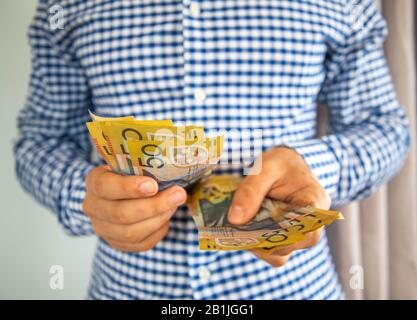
(103, 143)
(177, 152)
(100, 141)
(277, 224)
(172, 155)
(97, 118)
(118, 134)
(174, 161)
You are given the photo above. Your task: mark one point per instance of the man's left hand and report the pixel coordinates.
(285, 176)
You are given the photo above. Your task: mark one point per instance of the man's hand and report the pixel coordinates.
(284, 176)
(127, 211)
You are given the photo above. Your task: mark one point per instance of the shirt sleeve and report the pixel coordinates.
(368, 139)
(52, 150)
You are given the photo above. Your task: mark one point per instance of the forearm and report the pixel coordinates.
(53, 149)
(53, 171)
(351, 164)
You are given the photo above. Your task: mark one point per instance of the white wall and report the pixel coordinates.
(31, 241)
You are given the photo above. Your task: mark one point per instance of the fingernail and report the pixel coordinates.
(147, 187)
(176, 198)
(236, 214)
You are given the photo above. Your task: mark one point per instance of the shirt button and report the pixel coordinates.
(200, 95)
(204, 273)
(195, 10)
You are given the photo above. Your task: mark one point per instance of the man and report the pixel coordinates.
(228, 65)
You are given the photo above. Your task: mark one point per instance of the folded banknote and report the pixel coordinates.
(277, 224)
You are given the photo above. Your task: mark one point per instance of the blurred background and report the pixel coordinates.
(30, 239)
(375, 248)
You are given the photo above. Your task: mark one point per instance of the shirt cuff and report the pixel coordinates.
(70, 211)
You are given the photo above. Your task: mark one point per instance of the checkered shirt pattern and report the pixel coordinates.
(230, 65)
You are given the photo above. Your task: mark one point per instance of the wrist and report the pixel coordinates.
(287, 156)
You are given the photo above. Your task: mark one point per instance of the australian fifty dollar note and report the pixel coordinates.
(277, 224)
(172, 155)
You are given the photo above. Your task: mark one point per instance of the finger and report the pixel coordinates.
(274, 260)
(284, 251)
(248, 197)
(128, 212)
(313, 195)
(111, 186)
(133, 233)
(311, 239)
(145, 245)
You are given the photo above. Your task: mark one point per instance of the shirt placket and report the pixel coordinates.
(195, 97)
(195, 91)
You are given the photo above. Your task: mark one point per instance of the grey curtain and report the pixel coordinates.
(375, 247)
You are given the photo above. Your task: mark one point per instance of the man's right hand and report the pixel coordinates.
(128, 211)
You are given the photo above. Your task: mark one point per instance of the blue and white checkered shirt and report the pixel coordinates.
(225, 64)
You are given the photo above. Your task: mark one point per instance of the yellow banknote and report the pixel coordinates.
(172, 161)
(103, 143)
(276, 224)
(118, 135)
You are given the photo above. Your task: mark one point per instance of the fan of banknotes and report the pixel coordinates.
(172, 155)
(182, 155)
(277, 224)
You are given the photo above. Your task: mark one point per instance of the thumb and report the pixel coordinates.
(248, 197)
